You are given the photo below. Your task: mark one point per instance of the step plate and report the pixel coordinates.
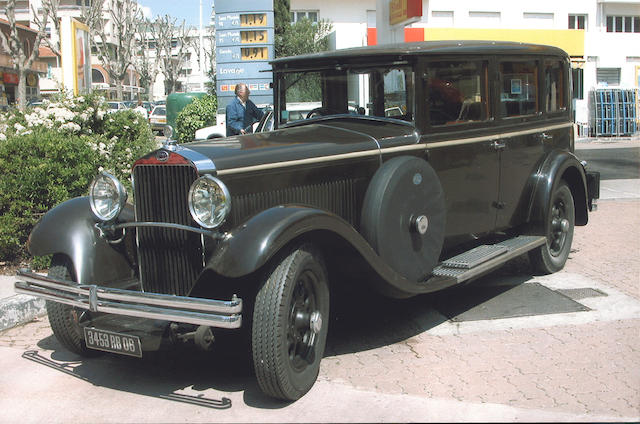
(476, 256)
(507, 250)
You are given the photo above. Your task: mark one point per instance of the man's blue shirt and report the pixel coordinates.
(239, 118)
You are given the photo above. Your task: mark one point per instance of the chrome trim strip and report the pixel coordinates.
(420, 146)
(496, 136)
(213, 234)
(189, 310)
(290, 163)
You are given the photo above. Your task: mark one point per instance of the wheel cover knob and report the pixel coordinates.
(315, 322)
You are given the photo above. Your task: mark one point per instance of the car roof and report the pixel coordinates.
(423, 48)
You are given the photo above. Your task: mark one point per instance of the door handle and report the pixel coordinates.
(498, 145)
(545, 137)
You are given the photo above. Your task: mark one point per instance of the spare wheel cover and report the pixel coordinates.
(402, 190)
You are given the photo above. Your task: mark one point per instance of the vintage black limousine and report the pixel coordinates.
(417, 167)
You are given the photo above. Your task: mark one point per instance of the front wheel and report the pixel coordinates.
(559, 225)
(65, 319)
(290, 322)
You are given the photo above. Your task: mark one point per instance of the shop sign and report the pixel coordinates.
(404, 11)
(31, 80)
(10, 78)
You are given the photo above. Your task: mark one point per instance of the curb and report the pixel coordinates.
(20, 309)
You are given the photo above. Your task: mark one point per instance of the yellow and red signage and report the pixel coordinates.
(404, 11)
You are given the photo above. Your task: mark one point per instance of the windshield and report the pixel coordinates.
(385, 92)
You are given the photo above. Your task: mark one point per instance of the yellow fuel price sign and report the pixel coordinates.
(254, 37)
(253, 19)
(254, 53)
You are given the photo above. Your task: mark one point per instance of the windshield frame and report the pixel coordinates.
(372, 73)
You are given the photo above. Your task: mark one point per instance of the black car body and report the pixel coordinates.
(427, 164)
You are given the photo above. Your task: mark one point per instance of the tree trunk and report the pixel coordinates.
(21, 98)
(119, 91)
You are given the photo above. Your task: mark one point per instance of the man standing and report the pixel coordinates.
(241, 113)
(142, 110)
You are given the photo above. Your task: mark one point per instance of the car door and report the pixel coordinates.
(459, 134)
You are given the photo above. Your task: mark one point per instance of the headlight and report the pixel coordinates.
(209, 201)
(106, 196)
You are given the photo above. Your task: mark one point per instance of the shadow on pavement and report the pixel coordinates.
(360, 321)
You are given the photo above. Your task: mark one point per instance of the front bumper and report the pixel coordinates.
(187, 310)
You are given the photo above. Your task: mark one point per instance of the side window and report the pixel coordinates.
(396, 102)
(456, 92)
(518, 88)
(554, 82)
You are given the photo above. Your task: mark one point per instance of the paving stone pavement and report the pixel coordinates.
(587, 368)
(581, 363)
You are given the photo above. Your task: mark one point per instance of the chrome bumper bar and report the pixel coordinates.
(188, 310)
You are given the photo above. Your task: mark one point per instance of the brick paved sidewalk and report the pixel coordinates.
(586, 368)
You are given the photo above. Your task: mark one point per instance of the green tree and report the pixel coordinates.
(282, 15)
(305, 37)
(302, 37)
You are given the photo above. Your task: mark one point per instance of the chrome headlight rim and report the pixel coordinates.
(119, 190)
(225, 205)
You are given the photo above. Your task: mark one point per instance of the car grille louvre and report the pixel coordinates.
(338, 197)
(170, 260)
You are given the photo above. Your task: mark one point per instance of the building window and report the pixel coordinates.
(538, 20)
(623, 23)
(442, 18)
(484, 19)
(608, 76)
(96, 76)
(297, 15)
(577, 80)
(577, 21)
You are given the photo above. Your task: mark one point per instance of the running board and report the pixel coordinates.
(482, 259)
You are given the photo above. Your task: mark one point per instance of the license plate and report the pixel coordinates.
(109, 341)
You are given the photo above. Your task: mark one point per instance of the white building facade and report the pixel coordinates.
(601, 36)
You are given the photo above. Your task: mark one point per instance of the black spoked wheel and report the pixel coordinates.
(65, 319)
(559, 225)
(290, 325)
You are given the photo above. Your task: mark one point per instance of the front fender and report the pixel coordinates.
(248, 247)
(559, 165)
(69, 229)
(253, 244)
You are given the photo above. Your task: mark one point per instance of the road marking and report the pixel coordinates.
(615, 306)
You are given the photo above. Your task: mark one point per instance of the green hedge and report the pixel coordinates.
(51, 154)
(198, 114)
(40, 170)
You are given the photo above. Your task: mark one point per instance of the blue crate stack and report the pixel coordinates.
(614, 112)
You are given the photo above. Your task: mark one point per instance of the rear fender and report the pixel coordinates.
(559, 165)
(69, 229)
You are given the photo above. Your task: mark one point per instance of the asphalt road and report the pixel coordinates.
(613, 163)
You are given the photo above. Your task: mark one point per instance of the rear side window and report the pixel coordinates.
(518, 88)
(456, 92)
(555, 87)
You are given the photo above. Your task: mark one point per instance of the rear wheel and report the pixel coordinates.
(65, 319)
(290, 321)
(559, 225)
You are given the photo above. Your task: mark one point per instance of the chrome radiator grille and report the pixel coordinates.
(170, 260)
(338, 197)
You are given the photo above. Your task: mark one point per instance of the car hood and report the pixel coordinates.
(307, 142)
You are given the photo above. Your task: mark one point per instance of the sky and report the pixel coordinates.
(189, 10)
